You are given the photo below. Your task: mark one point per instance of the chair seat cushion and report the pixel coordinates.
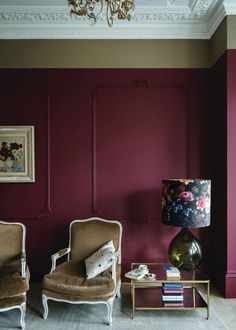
(69, 279)
(13, 301)
(12, 284)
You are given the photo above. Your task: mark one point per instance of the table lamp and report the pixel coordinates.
(186, 204)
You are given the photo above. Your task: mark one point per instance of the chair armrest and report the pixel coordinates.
(23, 265)
(115, 258)
(56, 256)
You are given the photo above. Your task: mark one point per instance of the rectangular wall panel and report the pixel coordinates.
(140, 133)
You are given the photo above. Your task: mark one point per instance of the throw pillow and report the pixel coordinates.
(99, 260)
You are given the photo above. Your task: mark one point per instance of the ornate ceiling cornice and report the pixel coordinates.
(177, 19)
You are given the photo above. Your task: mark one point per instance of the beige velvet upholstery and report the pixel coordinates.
(12, 302)
(88, 237)
(67, 281)
(10, 243)
(14, 274)
(12, 284)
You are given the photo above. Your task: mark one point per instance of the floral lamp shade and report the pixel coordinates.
(186, 203)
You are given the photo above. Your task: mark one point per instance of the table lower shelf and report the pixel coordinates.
(151, 298)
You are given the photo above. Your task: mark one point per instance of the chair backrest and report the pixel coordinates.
(12, 242)
(88, 235)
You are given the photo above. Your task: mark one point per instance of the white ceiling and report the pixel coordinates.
(153, 19)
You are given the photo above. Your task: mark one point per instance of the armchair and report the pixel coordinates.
(14, 273)
(67, 281)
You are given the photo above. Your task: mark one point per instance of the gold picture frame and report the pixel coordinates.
(17, 159)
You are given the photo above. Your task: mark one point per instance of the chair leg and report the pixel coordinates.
(22, 317)
(118, 289)
(45, 305)
(109, 304)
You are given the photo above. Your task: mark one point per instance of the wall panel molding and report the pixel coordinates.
(46, 209)
(136, 84)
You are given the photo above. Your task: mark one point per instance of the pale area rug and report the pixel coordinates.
(64, 316)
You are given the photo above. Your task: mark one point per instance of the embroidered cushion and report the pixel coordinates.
(99, 260)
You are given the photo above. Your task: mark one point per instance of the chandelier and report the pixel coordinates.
(93, 9)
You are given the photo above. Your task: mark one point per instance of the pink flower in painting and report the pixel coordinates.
(186, 196)
(201, 203)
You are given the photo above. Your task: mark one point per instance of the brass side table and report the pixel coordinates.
(147, 294)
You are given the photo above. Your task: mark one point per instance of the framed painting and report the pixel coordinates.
(17, 154)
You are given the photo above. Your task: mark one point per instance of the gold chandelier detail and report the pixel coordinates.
(93, 9)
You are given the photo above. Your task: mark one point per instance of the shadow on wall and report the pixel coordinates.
(144, 205)
(145, 238)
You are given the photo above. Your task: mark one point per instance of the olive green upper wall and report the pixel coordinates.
(104, 54)
(231, 29)
(223, 38)
(119, 53)
(218, 42)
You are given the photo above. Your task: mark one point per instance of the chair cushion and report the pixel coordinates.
(69, 279)
(99, 260)
(12, 284)
(13, 301)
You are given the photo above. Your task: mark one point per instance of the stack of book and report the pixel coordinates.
(173, 294)
(172, 273)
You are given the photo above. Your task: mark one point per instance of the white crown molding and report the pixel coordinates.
(216, 16)
(230, 7)
(177, 19)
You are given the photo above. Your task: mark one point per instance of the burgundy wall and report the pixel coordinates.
(219, 173)
(104, 140)
(231, 173)
(224, 177)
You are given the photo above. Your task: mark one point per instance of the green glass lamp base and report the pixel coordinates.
(185, 251)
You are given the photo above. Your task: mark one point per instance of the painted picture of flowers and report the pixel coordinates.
(186, 203)
(17, 154)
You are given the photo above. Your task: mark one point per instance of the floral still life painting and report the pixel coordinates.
(16, 154)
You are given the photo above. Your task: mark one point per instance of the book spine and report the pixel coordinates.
(174, 304)
(173, 299)
(173, 275)
(173, 295)
(173, 291)
(172, 284)
(180, 286)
